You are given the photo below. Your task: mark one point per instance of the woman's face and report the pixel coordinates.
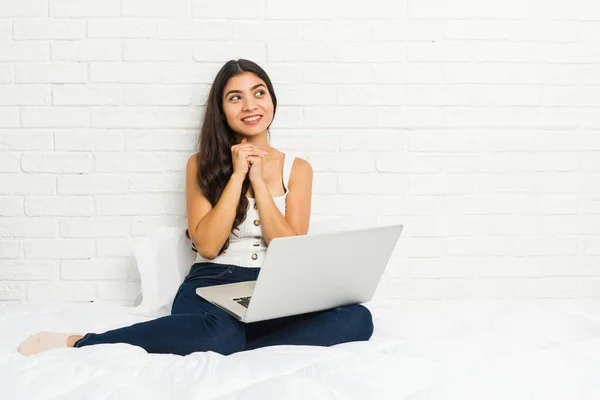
(247, 104)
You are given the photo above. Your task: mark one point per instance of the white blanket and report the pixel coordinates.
(451, 350)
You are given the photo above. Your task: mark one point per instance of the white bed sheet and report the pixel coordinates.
(420, 350)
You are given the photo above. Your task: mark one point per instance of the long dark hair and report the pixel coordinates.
(216, 138)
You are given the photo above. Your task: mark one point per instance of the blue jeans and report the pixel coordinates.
(197, 325)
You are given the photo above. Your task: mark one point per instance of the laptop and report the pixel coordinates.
(302, 274)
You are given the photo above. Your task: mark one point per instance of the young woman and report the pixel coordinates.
(241, 193)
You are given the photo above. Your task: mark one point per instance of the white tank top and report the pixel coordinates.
(248, 248)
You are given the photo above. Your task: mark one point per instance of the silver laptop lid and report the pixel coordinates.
(315, 272)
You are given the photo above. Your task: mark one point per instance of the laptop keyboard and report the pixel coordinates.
(244, 301)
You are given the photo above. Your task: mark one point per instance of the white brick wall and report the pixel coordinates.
(475, 124)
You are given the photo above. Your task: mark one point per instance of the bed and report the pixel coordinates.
(473, 349)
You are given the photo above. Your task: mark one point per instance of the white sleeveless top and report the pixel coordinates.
(248, 248)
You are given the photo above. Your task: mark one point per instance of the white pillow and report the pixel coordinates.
(165, 257)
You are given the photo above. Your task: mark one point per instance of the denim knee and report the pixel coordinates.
(360, 321)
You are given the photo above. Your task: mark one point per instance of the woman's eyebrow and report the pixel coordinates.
(239, 91)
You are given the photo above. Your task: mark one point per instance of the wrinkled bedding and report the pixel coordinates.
(475, 349)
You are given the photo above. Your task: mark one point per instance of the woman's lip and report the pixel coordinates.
(253, 122)
(250, 116)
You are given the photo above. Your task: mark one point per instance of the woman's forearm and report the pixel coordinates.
(214, 228)
(273, 223)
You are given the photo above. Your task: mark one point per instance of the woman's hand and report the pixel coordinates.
(256, 170)
(240, 154)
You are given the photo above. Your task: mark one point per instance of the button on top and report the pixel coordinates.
(255, 206)
(254, 256)
(256, 222)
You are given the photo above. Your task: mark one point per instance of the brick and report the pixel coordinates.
(409, 205)
(113, 205)
(144, 8)
(84, 8)
(236, 9)
(589, 204)
(73, 95)
(373, 52)
(51, 73)
(165, 182)
(373, 184)
(25, 139)
(395, 73)
(48, 29)
(6, 73)
(10, 162)
(343, 163)
(337, 73)
(21, 270)
(224, 51)
(12, 291)
(306, 95)
(175, 203)
(591, 246)
(10, 249)
(59, 117)
(21, 184)
(336, 204)
(370, 95)
(339, 117)
(411, 163)
(57, 162)
(146, 117)
(301, 10)
(67, 206)
(159, 140)
(304, 140)
(194, 30)
(190, 73)
(408, 31)
(151, 50)
(130, 72)
(92, 184)
(324, 183)
(89, 50)
(373, 140)
(140, 162)
(9, 117)
(276, 31)
(337, 31)
(439, 9)
(28, 227)
(547, 288)
(98, 228)
(376, 9)
(11, 206)
(24, 51)
(159, 95)
(24, 95)
(90, 140)
(501, 204)
(24, 8)
(121, 28)
(59, 248)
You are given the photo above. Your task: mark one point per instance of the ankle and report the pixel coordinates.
(72, 339)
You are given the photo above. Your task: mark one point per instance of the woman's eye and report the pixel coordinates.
(234, 98)
(260, 92)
